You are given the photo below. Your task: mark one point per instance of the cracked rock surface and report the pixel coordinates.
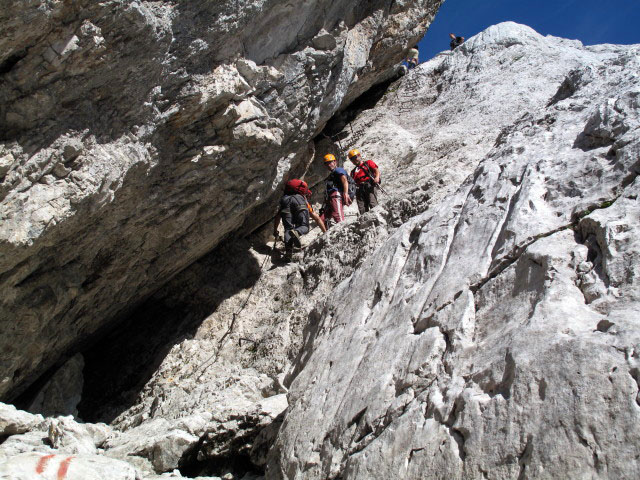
(395, 320)
(482, 322)
(136, 135)
(495, 335)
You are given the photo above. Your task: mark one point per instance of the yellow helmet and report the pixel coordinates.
(353, 153)
(329, 158)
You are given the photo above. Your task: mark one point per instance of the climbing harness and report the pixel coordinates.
(365, 167)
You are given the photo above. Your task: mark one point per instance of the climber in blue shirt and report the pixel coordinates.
(337, 192)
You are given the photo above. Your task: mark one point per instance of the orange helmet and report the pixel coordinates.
(329, 158)
(353, 153)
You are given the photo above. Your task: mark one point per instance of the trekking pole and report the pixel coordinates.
(372, 181)
(380, 187)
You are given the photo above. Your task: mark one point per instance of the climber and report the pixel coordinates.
(455, 41)
(366, 174)
(412, 58)
(295, 211)
(337, 193)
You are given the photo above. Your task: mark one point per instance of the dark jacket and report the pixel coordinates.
(294, 211)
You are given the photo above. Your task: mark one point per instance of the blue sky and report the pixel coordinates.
(590, 21)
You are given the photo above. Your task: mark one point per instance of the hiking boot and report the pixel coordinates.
(288, 255)
(295, 239)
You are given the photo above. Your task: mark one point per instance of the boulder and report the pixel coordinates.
(27, 466)
(14, 421)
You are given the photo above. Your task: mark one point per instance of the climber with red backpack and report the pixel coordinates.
(337, 191)
(366, 175)
(295, 211)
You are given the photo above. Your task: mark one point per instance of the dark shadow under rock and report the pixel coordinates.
(123, 361)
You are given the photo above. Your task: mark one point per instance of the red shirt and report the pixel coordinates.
(360, 174)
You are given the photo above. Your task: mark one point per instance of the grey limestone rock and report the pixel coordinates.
(14, 421)
(61, 394)
(498, 159)
(480, 323)
(25, 433)
(136, 135)
(27, 466)
(498, 333)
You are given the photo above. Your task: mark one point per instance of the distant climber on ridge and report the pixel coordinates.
(455, 41)
(412, 58)
(366, 175)
(337, 193)
(294, 211)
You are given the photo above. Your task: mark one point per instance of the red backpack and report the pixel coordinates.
(297, 186)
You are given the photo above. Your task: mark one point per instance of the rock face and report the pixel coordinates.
(63, 391)
(495, 335)
(138, 134)
(482, 322)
